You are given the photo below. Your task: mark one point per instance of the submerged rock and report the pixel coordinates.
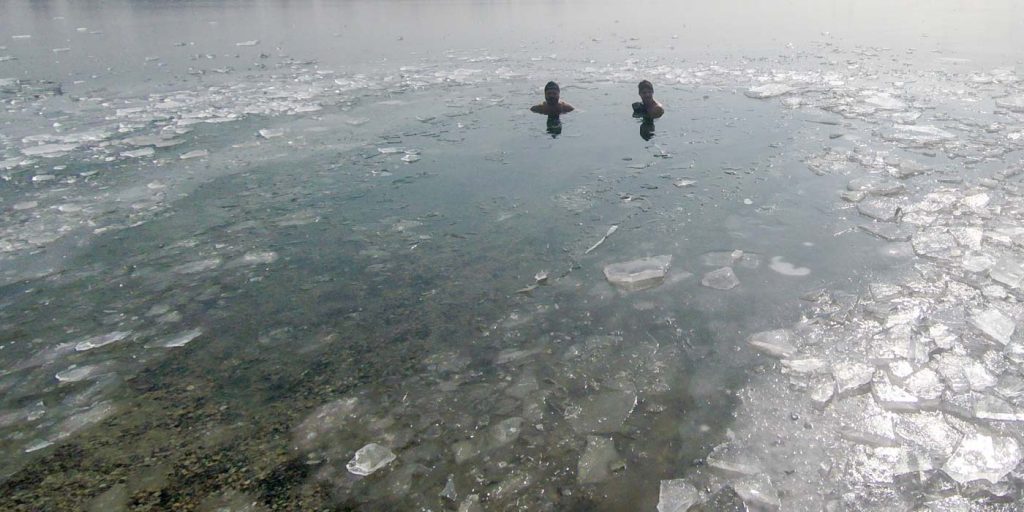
(638, 274)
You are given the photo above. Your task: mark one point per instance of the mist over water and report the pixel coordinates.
(279, 256)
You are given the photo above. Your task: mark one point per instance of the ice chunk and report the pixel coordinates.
(196, 267)
(994, 324)
(638, 274)
(677, 496)
(139, 153)
(733, 460)
(369, 459)
(852, 377)
(758, 492)
(48, 150)
(101, 340)
(810, 366)
(1013, 103)
(962, 373)
(768, 91)
(934, 243)
(270, 133)
(410, 158)
(603, 412)
(253, 42)
(595, 465)
(991, 408)
(822, 392)
(888, 231)
(177, 340)
(80, 373)
(926, 385)
(721, 279)
(787, 269)
(879, 208)
(505, 432)
(258, 258)
(883, 101)
(918, 135)
(982, 457)
(876, 186)
(1007, 271)
(198, 153)
(892, 397)
(89, 417)
(872, 429)
(929, 431)
(777, 343)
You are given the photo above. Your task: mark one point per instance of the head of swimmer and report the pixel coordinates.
(551, 93)
(646, 90)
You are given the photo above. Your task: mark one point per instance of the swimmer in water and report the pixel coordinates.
(552, 105)
(647, 106)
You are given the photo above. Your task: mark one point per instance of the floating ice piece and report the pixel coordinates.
(410, 158)
(1013, 104)
(37, 445)
(879, 208)
(89, 417)
(138, 153)
(810, 366)
(48, 150)
(603, 412)
(926, 385)
(929, 431)
(822, 393)
(892, 397)
(611, 231)
(61, 50)
(721, 279)
(677, 496)
(982, 457)
(918, 134)
(258, 258)
(80, 373)
(1008, 271)
(389, 151)
(768, 91)
(758, 492)
(934, 243)
(24, 205)
(253, 42)
(639, 274)
(734, 461)
(505, 432)
(883, 101)
(685, 182)
(852, 377)
(875, 429)
(101, 340)
(369, 459)
(198, 153)
(888, 231)
(595, 464)
(777, 343)
(907, 168)
(875, 186)
(994, 324)
(991, 408)
(270, 133)
(787, 269)
(976, 202)
(962, 373)
(177, 340)
(978, 262)
(197, 266)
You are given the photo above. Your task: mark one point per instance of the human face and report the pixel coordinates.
(551, 96)
(647, 95)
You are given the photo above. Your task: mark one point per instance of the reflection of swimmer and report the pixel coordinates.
(647, 128)
(647, 106)
(552, 106)
(554, 126)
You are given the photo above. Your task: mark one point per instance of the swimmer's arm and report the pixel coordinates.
(538, 109)
(656, 111)
(566, 108)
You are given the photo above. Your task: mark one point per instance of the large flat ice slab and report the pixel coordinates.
(638, 274)
(982, 457)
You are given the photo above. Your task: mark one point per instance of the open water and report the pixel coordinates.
(305, 256)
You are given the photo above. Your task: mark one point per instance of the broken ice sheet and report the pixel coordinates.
(677, 496)
(1007, 271)
(595, 464)
(982, 457)
(917, 135)
(101, 340)
(994, 324)
(603, 412)
(733, 460)
(270, 133)
(638, 274)
(935, 243)
(768, 91)
(888, 231)
(852, 377)
(369, 459)
(777, 343)
(758, 492)
(176, 340)
(721, 279)
(879, 208)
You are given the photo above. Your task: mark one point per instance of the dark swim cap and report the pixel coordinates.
(551, 85)
(645, 85)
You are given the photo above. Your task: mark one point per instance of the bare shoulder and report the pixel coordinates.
(565, 107)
